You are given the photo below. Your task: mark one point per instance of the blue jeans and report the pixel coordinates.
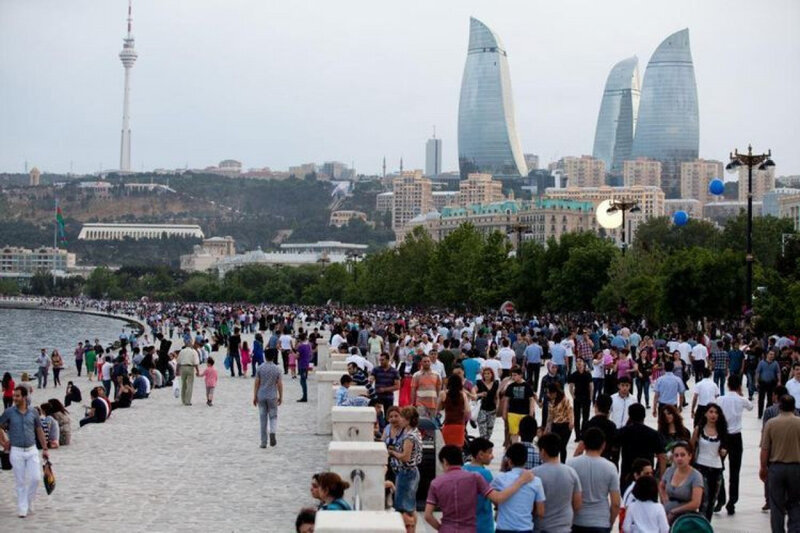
(406, 483)
(751, 383)
(304, 382)
(643, 385)
(719, 379)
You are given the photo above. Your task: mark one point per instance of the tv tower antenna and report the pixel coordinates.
(128, 57)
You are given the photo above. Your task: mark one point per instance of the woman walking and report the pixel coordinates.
(57, 363)
(710, 441)
(404, 458)
(488, 395)
(681, 487)
(671, 429)
(560, 417)
(455, 404)
(8, 390)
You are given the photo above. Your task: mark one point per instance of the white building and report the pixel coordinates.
(24, 262)
(113, 232)
(206, 256)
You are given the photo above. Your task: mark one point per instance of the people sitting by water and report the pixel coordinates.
(125, 396)
(61, 415)
(49, 425)
(73, 394)
(343, 398)
(99, 410)
(141, 385)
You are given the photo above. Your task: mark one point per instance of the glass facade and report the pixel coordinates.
(668, 127)
(616, 122)
(487, 133)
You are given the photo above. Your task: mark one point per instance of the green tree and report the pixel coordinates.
(574, 282)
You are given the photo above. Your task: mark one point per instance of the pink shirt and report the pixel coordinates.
(456, 494)
(210, 373)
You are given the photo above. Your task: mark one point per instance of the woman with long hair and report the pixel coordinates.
(455, 404)
(406, 369)
(404, 458)
(681, 487)
(710, 440)
(560, 417)
(61, 415)
(671, 429)
(487, 388)
(8, 390)
(645, 361)
(58, 363)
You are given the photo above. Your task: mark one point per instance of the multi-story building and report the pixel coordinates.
(25, 262)
(301, 171)
(433, 157)
(772, 202)
(204, 257)
(695, 177)
(34, 177)
(442, 199)
(531, 161)
(552, 218)
(479, 189)
(790, 208)
(694, 208)
(641, 171)
(384, 202)
(487, 133)
(763, 181)
(412, 197)
(584, 171)
(720, 212)
(344, 216)
(116, 232)
(336, 171)
(668, 125)
(616, 122)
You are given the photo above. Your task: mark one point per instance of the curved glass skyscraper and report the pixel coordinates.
(487, 134)
(616, 122)
(668, 128)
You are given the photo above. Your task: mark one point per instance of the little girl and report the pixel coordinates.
(293, 364)
(210, 373)
(645, 515)
(244, 352)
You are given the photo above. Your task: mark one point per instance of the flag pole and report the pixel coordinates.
(55, 238)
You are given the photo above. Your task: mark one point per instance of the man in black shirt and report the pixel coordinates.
(519, 401)
(234, 341)
(580, 387)
(601, 421)
(99, 411)
(639, 441)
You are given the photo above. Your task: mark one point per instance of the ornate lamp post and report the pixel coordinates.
(623, 206)
(750, 160)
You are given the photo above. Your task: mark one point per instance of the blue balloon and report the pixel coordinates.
(716, 187)
(680, 218)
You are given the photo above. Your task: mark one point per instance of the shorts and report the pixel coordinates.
(210, 391)
(513, 423)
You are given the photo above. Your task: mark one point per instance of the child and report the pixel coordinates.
(641, 467)
(481, 451)
(210, 373)
(646, 515)
(343, 399)
(244, 351)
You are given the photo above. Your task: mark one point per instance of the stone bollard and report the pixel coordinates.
(338, 366)
(342, 357)
(359, 521)
(325, 383)
(323, 354)
(353, 423)
(350, 460)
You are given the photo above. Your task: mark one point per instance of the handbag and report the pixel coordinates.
(227, 362)
(49, 477)
(176, 388)
(475, 408)
(5, 460)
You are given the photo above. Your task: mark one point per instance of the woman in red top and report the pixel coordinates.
(8, 390)
(455, 404)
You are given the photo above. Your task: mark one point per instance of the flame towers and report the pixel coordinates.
(668, 127)
(128, 57)
(487, 134)
(616, 122)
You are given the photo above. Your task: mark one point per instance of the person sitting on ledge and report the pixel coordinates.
(141, 385)
(98, 413)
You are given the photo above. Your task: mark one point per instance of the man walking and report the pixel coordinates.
(425, 388)
(533, 362)
(561, 485)
(732, 405)
(599, 486)
(668, 389)
(24, 428)
(705, 392)
(188, 366)
(43, 363)
(267, 396)
(304, 354)
(580, 388)
(386, 380)
(780, 466)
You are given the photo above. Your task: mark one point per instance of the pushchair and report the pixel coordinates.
(691, 523)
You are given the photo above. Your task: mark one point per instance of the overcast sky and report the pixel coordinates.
(277, 83)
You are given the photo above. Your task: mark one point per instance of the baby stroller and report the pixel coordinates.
(691, 523)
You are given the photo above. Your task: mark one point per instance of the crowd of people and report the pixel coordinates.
(550, 379)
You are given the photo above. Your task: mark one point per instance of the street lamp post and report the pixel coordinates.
(623, 206)
(764, 162)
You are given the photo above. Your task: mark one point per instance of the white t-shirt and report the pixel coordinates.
(619, 408)
(438, 367)
(700, 352)
(793, 387)
(732, 406)
(598, 370)
(569, 346)
(685, 348)
(285, 342)
(645, 517)
(706, 391)
(336, 341)
(506, 357)
(106, 371)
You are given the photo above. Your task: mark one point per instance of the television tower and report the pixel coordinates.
(128, 57)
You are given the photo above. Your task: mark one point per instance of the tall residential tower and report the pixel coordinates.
(616, 122)
(668, 127)
(128, 57)
(487, 134)
(433, 156)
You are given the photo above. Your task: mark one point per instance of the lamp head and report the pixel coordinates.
(636, 209)
(769, 163)
(733, 166)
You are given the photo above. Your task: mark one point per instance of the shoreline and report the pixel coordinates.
(36, 305)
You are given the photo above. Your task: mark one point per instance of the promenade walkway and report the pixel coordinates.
(160, 466)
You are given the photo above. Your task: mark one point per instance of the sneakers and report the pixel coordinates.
(731, 509)
(766, 507)
(262, 445)
(302, 400)
(272, 440)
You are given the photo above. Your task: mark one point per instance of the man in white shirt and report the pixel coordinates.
(685, 348)
(436, 365)
(732, 405)
(793, 385)
(699, 355)
(506, 356)
(705, 392)
(620, 402)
